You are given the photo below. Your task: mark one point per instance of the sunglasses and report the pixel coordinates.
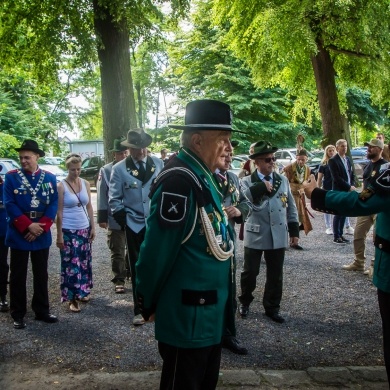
(268, 159)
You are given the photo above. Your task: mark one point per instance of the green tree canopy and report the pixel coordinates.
(310, 47)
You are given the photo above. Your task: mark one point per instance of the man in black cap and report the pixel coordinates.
(116, 239)
(274, 216)
(31, 201)
(129, 189)
(185, 267)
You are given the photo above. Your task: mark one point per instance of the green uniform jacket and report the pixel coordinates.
(349, 204)
(177, 278)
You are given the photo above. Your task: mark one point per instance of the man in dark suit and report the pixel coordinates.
(343, 179)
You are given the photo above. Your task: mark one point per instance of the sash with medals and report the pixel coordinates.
(33, 191)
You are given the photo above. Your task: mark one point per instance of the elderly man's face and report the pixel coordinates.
(213, 148)
(138, 154)
(265, 163)
(119, 156)
(301, 160)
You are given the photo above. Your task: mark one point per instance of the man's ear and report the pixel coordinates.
(197, 141)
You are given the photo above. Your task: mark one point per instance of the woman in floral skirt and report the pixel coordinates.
(75, 233)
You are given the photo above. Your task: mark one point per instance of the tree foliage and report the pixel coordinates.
(283, 42)
(202, 66)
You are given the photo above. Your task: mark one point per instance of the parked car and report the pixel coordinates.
(360, 153)
(55, 170)
(54, 160)
(90, 168)
(237, 163)
(14, 163)
(5, 167)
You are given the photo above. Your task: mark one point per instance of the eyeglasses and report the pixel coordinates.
(267, 159)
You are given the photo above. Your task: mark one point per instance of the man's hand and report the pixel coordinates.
(120, 218)
(34, 231)
(232, 212)
(309, 185)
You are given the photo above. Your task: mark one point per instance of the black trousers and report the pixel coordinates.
(189, 368)
(134, 241)
(4, 268)
(18, 278)
(338, 225)
(384, 308)
(273, 290)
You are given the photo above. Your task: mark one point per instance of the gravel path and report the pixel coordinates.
(332, 319)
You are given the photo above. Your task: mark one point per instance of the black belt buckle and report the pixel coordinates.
(33, 214)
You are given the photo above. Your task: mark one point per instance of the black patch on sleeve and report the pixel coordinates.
(173, 204)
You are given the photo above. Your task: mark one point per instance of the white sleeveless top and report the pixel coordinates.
(74, 217)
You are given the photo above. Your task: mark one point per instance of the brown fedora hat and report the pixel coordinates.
(30, 144)
(137, 139)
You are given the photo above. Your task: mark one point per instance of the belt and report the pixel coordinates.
(34, 214)
(382, 243)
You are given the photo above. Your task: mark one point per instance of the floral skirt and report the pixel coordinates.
(76, 264)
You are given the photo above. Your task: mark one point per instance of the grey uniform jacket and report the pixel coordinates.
(273, 215)
(235, 197)
(104, 214)
(127, 191)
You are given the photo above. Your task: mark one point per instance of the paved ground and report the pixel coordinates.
(332, 337)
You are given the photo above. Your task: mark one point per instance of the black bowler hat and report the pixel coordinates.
(207, 115)
(262, 147)
(30, 144)
(137, 139)
(118, 147)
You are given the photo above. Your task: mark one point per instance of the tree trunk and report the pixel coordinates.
(333, 123)
(118, 105)
(139, 100)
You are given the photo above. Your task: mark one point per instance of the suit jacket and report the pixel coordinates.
(274, 215)
(127, 191)
(177, 275)
(104, 214)
(233, 196)
(339, 174)
(18, 201)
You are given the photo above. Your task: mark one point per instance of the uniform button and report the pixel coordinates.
(202, 301)
(252, 229)
(380, 246)
(144, 201)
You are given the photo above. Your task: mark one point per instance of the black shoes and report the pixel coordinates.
(244, 310)
(49, 318)
(344, 239)
(275, 317)
(3, 305)
(338, 241)
(296, 247)
(19, 323)
(232, 344)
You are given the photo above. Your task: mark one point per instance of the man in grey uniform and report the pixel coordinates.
(128, 197)
(116, 239)
(274, 215)
(236, 208)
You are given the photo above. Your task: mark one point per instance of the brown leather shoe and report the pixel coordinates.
(354, 267)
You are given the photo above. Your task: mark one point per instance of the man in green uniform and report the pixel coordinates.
(374, 199)
(185, 267)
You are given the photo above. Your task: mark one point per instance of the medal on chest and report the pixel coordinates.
(283, 198)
